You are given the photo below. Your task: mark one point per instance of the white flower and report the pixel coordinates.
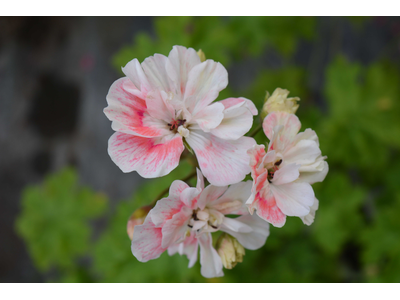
(184, 221)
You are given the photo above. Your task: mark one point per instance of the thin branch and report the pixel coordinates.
(256, 130)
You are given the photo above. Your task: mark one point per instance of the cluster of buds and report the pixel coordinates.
(166, 104)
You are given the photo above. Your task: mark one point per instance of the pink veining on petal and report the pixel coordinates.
(146, 241)
(267, 209)
(256, 153)
(128, 110)
(133, 153)
(290, 122)
(231, 102)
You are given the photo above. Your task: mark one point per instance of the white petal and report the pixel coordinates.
(154, 68)
(205, 81)
(211, 263)
(210, 194)
(294, 199)
(235, 226)
(257, 237)
(135, 73)
(235, 124)
(317, 176)
(180, 61)
(309, 219)
(239, 192)
(209, 117)
(286, 174)
(200, 180)
(221, 162)
(304, 152)
(188, 247)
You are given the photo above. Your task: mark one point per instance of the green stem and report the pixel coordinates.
(256, 130)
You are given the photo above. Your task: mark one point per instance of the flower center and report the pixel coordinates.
(272, 171)
(174, 125)
(206, 220)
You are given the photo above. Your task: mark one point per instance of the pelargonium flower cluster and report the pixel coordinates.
(166, 104)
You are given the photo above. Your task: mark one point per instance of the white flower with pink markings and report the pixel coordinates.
(283, 176)
(184, 221)
(166, 101)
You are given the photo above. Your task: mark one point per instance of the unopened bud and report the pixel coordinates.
(201, 54)
(230, 250)
(279, 101)
(137, 218)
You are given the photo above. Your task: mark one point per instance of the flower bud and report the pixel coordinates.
(137, 218)
(201, 54)
(278, 101)
(230, 250)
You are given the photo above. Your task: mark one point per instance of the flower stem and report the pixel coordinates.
(256, 130)
(165, 191)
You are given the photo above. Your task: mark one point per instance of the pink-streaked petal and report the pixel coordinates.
(209, 117)
(188, 247)
(146, 241)
(154, 68)
(148, 156)
(176, 188)
(235, 226)
(210, 194)
(190, 197)
(169, 206)
(254, 239)
(290, 122)
(294, 199)
(256, 154)
(205, 81)
(175, 228)
(304, 152)
(237, 121)
(233, 200)
(221, 162)
(180, 61)
(128, 112)
(134, 72)
(211, 263)
(309, 219)
(267, 209)
(286, 174)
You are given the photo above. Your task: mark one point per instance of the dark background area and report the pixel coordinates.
(55, 73)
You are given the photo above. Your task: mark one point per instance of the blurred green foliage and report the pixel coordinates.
(55, 222)
(355, 236)
(222, 39)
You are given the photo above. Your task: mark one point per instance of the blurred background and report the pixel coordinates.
(65, 204)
